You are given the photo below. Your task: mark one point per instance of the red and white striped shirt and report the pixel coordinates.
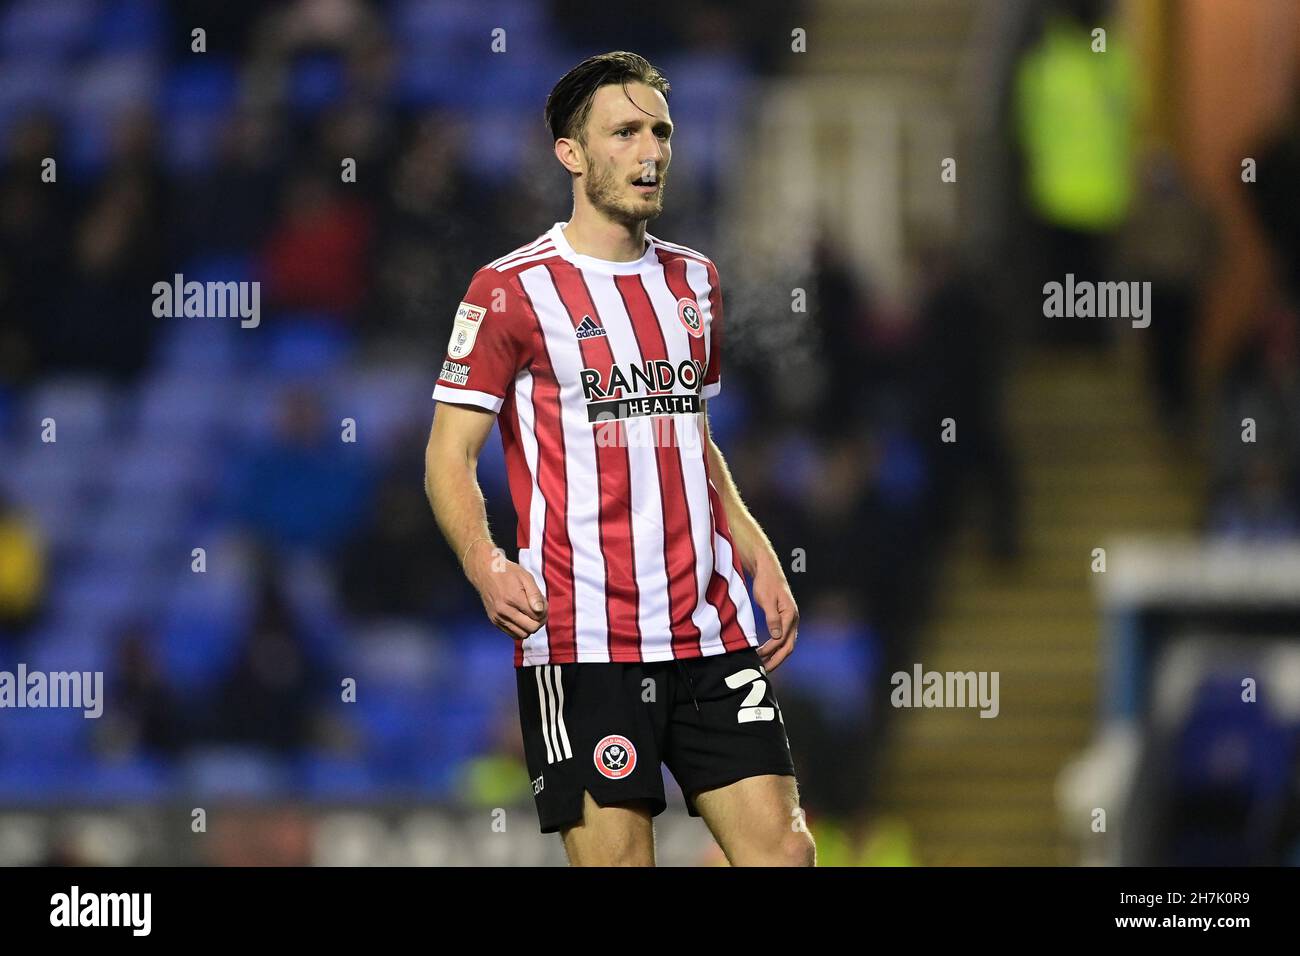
(597, 370)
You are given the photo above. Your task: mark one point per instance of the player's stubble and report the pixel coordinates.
(613, 195)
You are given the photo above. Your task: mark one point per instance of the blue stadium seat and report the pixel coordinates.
(105, 90)
(31, 86)
(190, 346)
(1222, 744)
(131, 26)
(316, 82)
(254, 410)
(206, 615)
(1231, 768)
(305, 344)
(386, 401)
(52, 28)
(437, 29)
(190, 142)
(495, 143)
(451, 736)
(206, 84)
(513, 83)
(388, 732)
(446, 28)
(187, 408)
(728, 414)
(309, 589)
(53, 733)
(221, 268)
(85, 411)
(484, 661)
(235, 772)
(34, 778)
(49, 485)
(137, 779)
(155, 467)
(835, 662)
(706, 91)
(329, 777)
(133, 529)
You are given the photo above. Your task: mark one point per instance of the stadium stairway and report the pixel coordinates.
(912, 44)
(1092, 461)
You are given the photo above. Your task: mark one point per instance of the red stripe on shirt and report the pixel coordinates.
(552, 484)
(614, 480)
(679, 549)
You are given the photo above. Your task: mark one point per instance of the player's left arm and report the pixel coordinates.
(758, 557)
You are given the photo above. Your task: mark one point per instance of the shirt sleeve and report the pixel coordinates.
(712, 382)
(490, 341)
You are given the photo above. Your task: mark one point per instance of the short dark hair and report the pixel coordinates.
(569, 104)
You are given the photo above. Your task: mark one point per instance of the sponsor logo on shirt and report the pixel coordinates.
(454, 372)
(630, 391)
(588, 328)
(464, 330)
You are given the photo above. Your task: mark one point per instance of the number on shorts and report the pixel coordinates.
(748, 712)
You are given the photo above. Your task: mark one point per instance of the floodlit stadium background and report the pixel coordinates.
(1148, 712)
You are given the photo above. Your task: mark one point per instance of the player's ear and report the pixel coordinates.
(570, 155)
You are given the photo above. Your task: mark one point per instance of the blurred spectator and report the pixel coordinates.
(499, 777)
(1168, 241)
(1074, 116)
(1260, 506)
(304, 488)
(267, 699)
(22, 571)
(34, 239)
(433, 237)
(1275, 200)
(316, 257)
(146, 716)
(959, 367)
(119, 251)
(393, 566)
(228, 209)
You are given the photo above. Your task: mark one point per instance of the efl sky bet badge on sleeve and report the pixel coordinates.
(469, 318)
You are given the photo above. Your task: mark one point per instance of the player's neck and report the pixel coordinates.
(593, 235)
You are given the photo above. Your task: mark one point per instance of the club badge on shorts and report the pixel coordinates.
(689, 313)
(615, 756)
(464, 330)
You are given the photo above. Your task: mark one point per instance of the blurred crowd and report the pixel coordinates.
(231, 523)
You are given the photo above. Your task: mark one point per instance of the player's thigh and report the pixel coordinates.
(758, 822)
(619, 834)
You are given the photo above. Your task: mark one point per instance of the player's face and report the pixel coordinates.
(628, 152)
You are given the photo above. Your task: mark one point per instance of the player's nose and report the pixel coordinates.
(656, 153)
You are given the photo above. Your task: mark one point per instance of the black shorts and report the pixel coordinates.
(605, 729)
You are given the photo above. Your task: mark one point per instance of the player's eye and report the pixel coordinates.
(662, 133)
(625, 129)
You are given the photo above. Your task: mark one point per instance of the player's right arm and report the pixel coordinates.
(490, 342)
(510, 595)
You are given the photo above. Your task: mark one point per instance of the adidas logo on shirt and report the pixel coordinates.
(588, 329)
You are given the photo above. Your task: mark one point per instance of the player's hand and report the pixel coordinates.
(511, 597)
(773, 595)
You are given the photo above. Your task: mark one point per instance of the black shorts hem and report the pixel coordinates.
(571, 812)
